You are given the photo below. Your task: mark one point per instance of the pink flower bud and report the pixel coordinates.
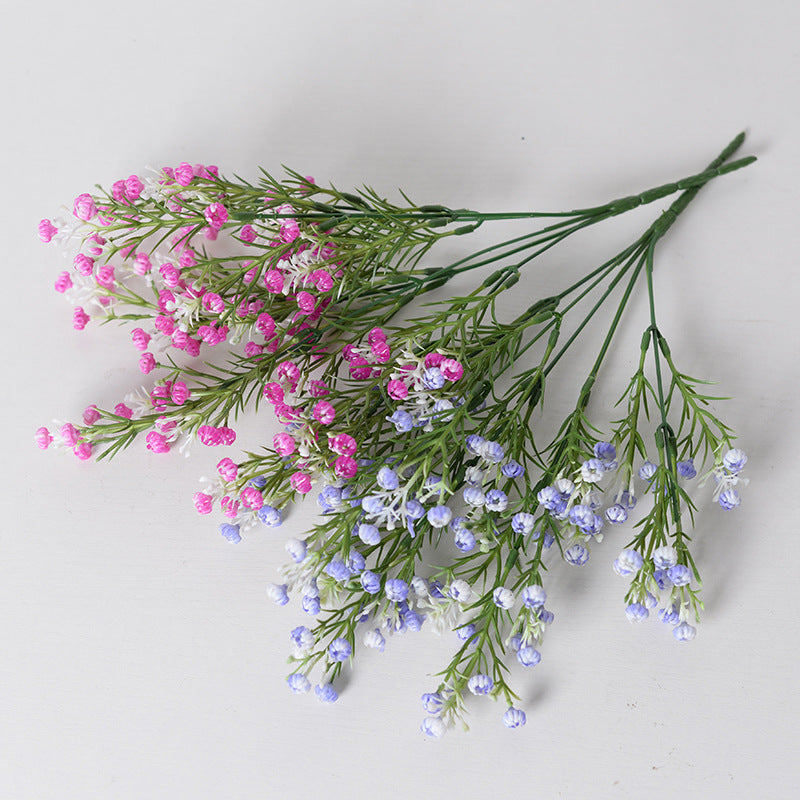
(273, 280)
(290, 230)
(118, 190)
(208, 435)
(318, 388)
(157, 442)
(305, 302)
(265, 325)
(184, 174)
(273, 392)
(216, 216)
(83, 450)
(382, 352)
(227, 436)
(83, 264)
(213, 302)
(47, 230)
(349, 352)
(140, 339)
(121, 410)
(179, 393)
(171, 275)
(165, 324)
(231, 508)
(43, 438)
(252, 350)
(301, 482)
(69, 435)
(324, 412)
(203, 502)
(63, 282)
(345, 467)
(247, 234)
(322, 280)
(95, 243)
(284, 444)
(192, 347)
(397, 390)
(286, 413)
(188, 258)
(142, 264)
(289, 371)
(147, 363)
(165, 299)
(91, 415)
(133, 187)
(105, 276)
(451, 369)
(376, 335)
(343, 444)
(179, 339)
(433, 360)
(79, 319)
(251, 498)
(227, 469)
(84, 207)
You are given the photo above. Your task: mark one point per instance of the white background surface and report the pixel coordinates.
(140, 655)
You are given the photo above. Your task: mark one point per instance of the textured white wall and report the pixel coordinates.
(140, 655)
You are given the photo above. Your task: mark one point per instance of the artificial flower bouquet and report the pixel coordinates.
(409, 419)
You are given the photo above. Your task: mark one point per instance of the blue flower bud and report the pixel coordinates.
(493, 452)
(606, 452)
(473, 496)
(474, 443)
(270, 516)
(301, 637)
(414, 509)
(628, 562)
(457, 523)
(546, 616)
(337, 570)
(433, 727)
(512, 469)
(231, 533)
(465, 540)
(375, 639)
(372, 505)
(680, 575)
(734, 460)
(522, 523)
(647, 471)
(297, 549)
(577, 555)
(439, 516)
(465, 632)
(684, 632)
(729, 499)
(278, 593)
(534, 596)
(582, 516)
(528, 656)
(433, 703)
(496, 500)
(514, 718)
(326, 693)
(402, 420)
(311, 605)
(616, 514)
(387, 479)
(339, 649)
(396, 590)
(480, 684)
(686, 469)
(592, 470)
(299, 683)
(371, 582)
(669, 615)
(636, 612)
(369, 534)
(356, 562)
(258, 482)
(433, 378)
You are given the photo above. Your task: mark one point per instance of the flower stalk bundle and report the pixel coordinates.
(413, 428)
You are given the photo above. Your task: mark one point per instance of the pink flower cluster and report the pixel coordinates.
(70, 436)
(366, 362)
(303, 444)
